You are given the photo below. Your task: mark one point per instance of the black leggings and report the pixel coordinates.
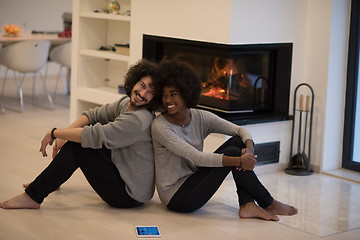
(97, 167)
(202, 185)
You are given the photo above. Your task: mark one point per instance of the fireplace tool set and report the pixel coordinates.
(300, 162)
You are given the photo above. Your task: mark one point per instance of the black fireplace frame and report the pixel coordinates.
(281, 56)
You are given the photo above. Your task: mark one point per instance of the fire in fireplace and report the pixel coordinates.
(237, 83)
(242, 83)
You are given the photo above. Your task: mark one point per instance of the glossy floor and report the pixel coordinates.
(329, 207)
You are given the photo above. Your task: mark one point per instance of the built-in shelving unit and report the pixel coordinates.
(96, 74)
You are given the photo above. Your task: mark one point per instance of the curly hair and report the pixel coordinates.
(178, 74)
(137, 71)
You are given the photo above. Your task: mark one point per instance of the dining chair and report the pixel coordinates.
(24, 57)
(1, 104)
(61, 54)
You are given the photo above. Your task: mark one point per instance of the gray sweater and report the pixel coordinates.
(179, 151)
(127, 134)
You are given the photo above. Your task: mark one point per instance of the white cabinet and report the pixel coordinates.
(96, 74)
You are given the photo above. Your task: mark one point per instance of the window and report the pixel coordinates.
(351, 153)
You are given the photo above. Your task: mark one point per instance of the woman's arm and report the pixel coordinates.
(215, 124)
(219, 125)
(249, 147)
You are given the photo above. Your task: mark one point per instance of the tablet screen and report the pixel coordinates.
(147, 231)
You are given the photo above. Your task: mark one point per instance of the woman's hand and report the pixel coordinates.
(247, 162)
(247, 158)
(47, 140)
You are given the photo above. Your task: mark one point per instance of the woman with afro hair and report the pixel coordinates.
(186, 177)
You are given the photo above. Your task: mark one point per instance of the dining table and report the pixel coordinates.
(52, 37)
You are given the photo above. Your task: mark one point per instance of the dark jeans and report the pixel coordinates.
(202, 185)
(97, 167)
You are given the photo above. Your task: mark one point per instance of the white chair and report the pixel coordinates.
(26, 57)
(1, 104)
(62, 55)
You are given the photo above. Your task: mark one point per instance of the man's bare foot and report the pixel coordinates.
(279, 208)
(20, 201)
(251, 210)
(25, 185)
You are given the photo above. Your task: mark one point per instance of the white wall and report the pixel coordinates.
(41, 15)
(318, 29)
(335, 97)
(204, 20)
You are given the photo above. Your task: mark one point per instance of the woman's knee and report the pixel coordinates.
(236, 141)
(183, 207)
(124, 204)
(232, 151)
(232, 147)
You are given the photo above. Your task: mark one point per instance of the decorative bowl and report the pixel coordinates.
(11, 30)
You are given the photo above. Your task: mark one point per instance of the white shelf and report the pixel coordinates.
(98, 95)
(96, 74)
(104, 55)
(105, 16)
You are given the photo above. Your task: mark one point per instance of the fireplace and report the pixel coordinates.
(241, 83)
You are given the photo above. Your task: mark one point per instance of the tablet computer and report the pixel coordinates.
(147, 231)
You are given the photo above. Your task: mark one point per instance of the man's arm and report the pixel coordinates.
(71, 133)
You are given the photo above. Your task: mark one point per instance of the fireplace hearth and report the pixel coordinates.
(241, 83)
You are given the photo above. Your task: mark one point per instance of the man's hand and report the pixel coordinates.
(58, 145)
(47, 140)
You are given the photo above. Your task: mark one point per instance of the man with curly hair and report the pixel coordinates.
(111, 144)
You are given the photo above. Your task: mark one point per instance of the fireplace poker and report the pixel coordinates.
(298, 161)
(304, 156)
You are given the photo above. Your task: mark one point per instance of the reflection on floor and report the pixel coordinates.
(329, 207)
(344, 174)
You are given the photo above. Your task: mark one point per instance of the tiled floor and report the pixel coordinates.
(344, 174)
(329, 207)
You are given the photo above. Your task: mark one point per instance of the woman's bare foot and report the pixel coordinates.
(20, 201)
(279, 208)
(251, 210)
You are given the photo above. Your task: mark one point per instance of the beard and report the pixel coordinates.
(134, 103)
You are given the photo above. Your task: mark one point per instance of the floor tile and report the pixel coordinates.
(327, 205)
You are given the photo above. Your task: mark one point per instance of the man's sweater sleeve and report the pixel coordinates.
(117, 134)
(105, 113)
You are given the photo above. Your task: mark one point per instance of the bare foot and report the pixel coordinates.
(279, 208)
(25, 185)
(251, 210)
(20, 201)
